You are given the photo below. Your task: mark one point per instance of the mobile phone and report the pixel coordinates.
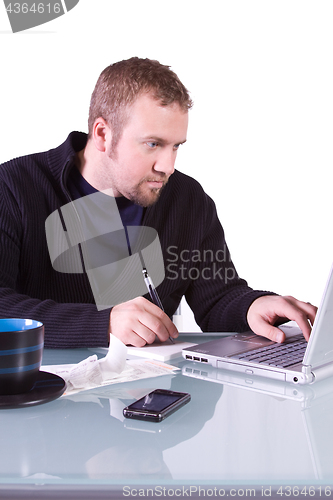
(157, 405)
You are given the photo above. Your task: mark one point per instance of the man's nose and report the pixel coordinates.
(166, 162)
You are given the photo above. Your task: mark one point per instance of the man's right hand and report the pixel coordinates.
(138, 322)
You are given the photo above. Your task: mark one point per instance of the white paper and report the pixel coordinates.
(92, 372)
(112, 369)
(161, 351)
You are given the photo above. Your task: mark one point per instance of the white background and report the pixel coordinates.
(260, 142)
(260, 137)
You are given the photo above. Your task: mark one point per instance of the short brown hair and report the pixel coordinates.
(121, 83)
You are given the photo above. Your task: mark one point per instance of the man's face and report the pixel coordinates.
(144, 157)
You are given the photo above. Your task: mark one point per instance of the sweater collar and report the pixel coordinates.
(64, 155)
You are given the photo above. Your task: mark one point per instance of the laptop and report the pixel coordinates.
(295, 360)
(251, 383)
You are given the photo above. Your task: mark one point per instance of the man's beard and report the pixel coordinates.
(149, 196)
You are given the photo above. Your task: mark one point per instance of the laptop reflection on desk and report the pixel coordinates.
(313, 403)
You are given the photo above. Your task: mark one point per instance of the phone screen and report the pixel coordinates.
(157, 405)
(155, 401)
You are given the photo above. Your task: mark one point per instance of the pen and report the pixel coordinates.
(153, 293)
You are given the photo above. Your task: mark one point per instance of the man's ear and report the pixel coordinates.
(101, 134)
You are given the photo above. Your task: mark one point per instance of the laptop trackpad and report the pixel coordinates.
(235, 344)
(245, 342)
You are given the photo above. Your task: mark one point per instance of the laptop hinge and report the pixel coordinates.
(322, 372)
(306, 369)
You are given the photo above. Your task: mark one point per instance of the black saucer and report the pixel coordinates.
(47, 388)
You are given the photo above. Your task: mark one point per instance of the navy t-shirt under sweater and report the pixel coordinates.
(130, 213)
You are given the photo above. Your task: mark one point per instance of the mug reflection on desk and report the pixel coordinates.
(21, 351)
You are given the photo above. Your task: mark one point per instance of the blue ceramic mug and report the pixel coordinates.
(21, 351)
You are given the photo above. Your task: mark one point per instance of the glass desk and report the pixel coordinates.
(237, 437)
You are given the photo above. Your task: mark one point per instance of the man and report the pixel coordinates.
(137, 121)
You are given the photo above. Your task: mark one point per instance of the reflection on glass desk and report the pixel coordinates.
(235, 432)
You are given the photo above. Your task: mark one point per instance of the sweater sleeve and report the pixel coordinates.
(66, 324)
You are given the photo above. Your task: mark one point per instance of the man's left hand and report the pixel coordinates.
(270, 310)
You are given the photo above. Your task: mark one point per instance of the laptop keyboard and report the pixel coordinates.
(283, 355)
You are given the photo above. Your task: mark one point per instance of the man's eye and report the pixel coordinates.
(152, 144)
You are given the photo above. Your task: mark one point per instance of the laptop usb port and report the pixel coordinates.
(188, 356)
(196, 358)
(205, 360)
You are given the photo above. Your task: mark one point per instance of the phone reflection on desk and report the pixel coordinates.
(77, 437)
(139, 449)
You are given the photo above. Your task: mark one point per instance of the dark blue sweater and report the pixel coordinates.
(196, 257)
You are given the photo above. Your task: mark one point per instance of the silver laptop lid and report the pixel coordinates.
(320, 346)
